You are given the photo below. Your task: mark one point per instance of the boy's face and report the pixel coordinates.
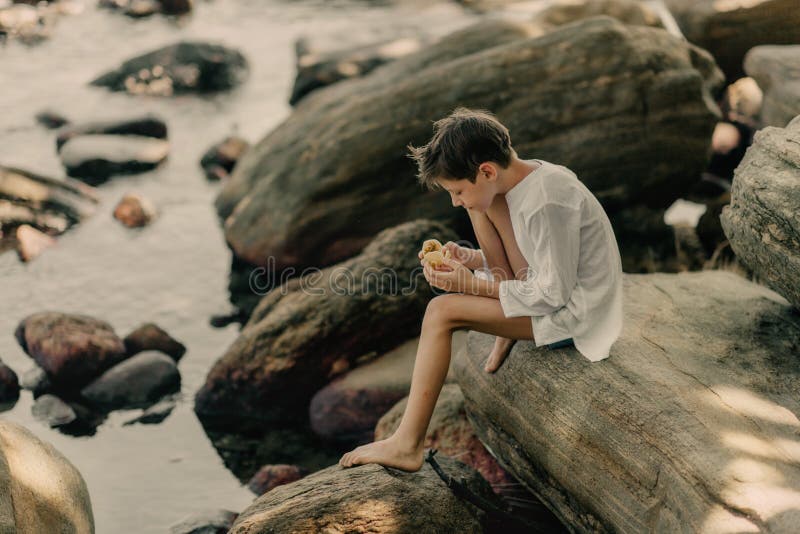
(473, 196)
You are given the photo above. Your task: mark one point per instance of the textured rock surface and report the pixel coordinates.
(691, 425)
(42, 490)
(348, 408)
(641, 91)
(776, 69)
(369, 498)
(186, 67)
(310, 329)
(72, 349)
(762, 221)
(729, 28)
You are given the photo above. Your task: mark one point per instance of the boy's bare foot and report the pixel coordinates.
(502, 346)
(389, 452)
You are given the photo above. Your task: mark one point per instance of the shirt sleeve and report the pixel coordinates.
(554, 233)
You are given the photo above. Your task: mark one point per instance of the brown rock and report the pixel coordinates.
(31, 242)
(150, 336)
(272, 476)
(223, 155)
(9, 384)
(135, 211)
(286, 351)
(72, 349)
(369, 498)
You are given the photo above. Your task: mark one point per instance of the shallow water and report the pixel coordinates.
(143, 478)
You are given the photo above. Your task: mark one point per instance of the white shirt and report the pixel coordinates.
(573, 286)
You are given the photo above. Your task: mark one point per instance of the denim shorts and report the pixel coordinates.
(561, 344)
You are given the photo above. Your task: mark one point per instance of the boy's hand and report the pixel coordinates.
(453, 276)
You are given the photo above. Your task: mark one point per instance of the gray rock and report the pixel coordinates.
(72, 349)
(682, 428)
(145, 126)
(95, 158)
(776, 69)
(56, 500)
(138, 381)
(35, 380)
(642, 91)
(313, 328)
(185, 67)
(53, 411)
(729, 29)
(211, 522)
(369, 498)
(762, 222)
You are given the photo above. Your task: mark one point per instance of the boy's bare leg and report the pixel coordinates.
(499, 251)
(444, 315)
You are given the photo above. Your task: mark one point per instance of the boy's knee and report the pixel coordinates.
(442, 309)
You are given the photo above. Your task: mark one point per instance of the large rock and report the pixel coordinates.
(47, 204)
(641, 91)
(776, 69)
(689, 426)
(310, 329)
(369, 498)
(185, 67)
(95, 158)
(150, 336)
(138, 381)
(762, 221)
(42, 490)
(729, 28)
(347, 409)
(72, 349)
(628, 11)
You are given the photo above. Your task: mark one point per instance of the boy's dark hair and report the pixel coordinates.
(461, 142)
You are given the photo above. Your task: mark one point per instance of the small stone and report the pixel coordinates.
(135, 211)
(31, 242)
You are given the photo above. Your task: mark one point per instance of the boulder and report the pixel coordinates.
(135, 211)
(185, 67)
(450, 433)
(729, 28)
(626, 11)
(762, 222)
(316, 69)
(347, 409)
(50, 205)
(145, 126)
(272, 476)
(72, 349)
(42, 490)
(31, 242)
(369, 498)
(776, 69)
(685, 428)
(223, 155)
(95, 158)
(642, 91)
(138, 381)
(9, 384)
(210, 522)
(150, 336)
(314, 327)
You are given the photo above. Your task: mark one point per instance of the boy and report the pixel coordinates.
(556, 273)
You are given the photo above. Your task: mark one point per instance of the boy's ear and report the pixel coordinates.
(488, 171)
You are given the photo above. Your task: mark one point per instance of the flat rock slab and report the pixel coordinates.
(762, 221)
(691, 425)
(368, 498)
(95, 158)
(776, 69)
